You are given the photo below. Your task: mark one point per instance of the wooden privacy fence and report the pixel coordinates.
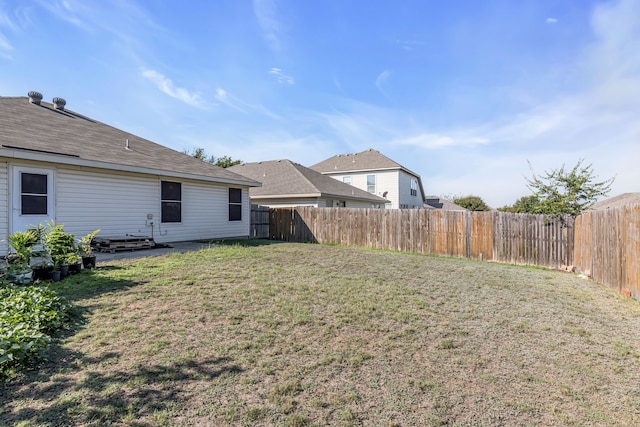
(607, 247)
(498, 236)
(259, 225)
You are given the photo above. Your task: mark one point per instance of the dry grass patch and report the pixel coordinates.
(301, 335)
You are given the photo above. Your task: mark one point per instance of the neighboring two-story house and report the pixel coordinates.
(377, 174)
(288, 184)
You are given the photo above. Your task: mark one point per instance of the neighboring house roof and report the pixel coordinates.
(617, 201)
(358, 162)
(435, 202)
(42, 132)
(284, 178)
(368, 160)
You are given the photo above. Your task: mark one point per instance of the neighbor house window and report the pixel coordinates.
(414, 187)
(347, 179)
(171, 200)
(33, 193)
(235, 204)
(371, 184)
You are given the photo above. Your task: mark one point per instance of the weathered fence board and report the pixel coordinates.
(607, 247)
(259, 222)
(513, 238)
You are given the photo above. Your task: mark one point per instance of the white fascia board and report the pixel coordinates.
(76, 161)
(358, 198)
(284, 196)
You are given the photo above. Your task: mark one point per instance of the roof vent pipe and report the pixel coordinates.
(59, 103)
(35, 97)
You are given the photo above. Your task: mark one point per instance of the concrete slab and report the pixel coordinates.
(103, 258)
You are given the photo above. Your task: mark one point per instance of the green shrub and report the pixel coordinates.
(28, 315)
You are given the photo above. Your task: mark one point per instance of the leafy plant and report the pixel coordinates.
(59, 243)
(22, 243)
(27, 317)
(85, 243)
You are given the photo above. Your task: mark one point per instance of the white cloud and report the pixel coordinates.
(432, 141)
(4, 44)
(382, 79)
(266, 12)
(166, 86)
(551, 20)
(281, 77)
(238, 104)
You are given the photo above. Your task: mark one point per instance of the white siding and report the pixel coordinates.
(413, 202)
(118, 205)
(4, 206)
(386, 181)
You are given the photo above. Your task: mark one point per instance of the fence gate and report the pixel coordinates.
(259, 222)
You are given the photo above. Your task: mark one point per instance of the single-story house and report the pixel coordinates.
(56, 164)
(616, 201)
(377, 174)
(287, 184)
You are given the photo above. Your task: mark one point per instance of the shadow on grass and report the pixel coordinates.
(72, 388)
(103, 398)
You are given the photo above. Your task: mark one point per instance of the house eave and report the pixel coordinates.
(76, 161)
(394, 168)
(285, 196)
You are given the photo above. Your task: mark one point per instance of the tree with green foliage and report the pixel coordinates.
(223, 162)
(525, 204)
(567, 192)
(473, 203)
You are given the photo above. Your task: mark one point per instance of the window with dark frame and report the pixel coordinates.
(235, 204)
(171, 200)
(33, 193)
(414, 187)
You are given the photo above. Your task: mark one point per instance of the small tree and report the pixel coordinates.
(567, 192)
(473, 203)
(223, 162)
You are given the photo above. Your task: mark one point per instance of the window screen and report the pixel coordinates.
(33, 194)
(235, 204)
(171, 200)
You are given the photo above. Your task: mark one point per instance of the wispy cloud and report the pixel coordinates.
(432, 141)
(281, 77)
(266, 12)
(551, 20)
(69, 11)
(166, 86)
(238, 104)
(382, 79)
(5, 46)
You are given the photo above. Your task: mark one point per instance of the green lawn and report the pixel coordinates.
(299, 334)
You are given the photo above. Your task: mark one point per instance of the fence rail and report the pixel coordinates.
(513, 238)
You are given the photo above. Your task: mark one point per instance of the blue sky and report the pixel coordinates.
(463, 92)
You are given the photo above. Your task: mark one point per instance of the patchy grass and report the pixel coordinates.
(304, 335)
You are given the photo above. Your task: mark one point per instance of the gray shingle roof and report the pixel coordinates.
(366, 160)
(69, 137)
(288, 179)
(435, 202)
(617, 201)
